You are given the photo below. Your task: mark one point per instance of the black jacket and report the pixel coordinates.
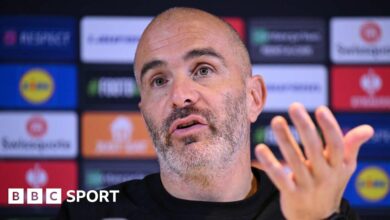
(147, 199)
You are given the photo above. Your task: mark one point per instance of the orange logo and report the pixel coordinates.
(115, 135)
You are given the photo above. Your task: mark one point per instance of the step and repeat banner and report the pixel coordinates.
(69, 113)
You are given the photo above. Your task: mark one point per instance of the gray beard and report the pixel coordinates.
(195, 159)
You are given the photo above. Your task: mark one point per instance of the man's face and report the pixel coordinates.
(193, 95)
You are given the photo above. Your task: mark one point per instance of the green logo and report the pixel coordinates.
(94, 179)
(259, 36)
(92, 88)
(259, 135)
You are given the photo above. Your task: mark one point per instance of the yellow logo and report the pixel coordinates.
(372, 184)
(36, 86)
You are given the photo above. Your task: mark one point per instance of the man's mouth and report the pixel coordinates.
(188, 125)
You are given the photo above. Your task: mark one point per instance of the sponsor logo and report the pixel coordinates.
(378, 145)
(115, 135)
(112, 87)
(28, 86)
(36, 127)
(372, 184)
(29, 182)
(111, 39)
(45, 135)
(33, 38)
(41, 38)
(36, 86)
(98, 178)
(36, 177)
(287, 40)
(356, 40)
(291, 83)
(370, 32)
(264, 134)
(366, 89)
(10, 38)
(381, 135)
(101, 174)
(371, 83)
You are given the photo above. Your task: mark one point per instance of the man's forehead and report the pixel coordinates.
(183, 36)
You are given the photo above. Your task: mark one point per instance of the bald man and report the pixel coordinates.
(198, 99)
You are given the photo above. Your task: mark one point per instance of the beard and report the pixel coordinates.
(207, 152)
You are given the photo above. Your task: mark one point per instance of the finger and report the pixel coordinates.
(291, 151)
(273, 168)
(354, 139)
(332, 134)
(309, 137)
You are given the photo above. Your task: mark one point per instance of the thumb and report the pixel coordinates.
(354, 139)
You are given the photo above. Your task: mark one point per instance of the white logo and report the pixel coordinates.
(121, 129)
(371, 82)
(121, 133)
(36, 177)
(52, 134)
(54, 196)
(286, 84)
(110, 39)
(360, 39)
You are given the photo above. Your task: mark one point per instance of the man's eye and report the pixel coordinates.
(203, 71)
(159, 81)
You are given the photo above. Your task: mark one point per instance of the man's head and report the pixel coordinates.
(198, 96)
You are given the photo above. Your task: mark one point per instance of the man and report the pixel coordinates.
(198, 98)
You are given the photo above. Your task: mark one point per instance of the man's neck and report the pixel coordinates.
(232, 183)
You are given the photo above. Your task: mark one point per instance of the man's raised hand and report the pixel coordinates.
(314, 187)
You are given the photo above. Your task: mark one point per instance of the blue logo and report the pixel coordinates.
(37, 38)
(38, 86)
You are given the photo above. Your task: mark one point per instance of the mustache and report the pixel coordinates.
(179, 113)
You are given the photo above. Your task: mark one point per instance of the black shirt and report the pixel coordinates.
(148, 199)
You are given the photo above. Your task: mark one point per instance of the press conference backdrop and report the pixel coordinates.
(68, 97)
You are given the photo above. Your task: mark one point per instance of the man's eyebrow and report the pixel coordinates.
(203, 52)
(150, 65)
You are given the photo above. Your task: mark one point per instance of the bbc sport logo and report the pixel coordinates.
(53, 196)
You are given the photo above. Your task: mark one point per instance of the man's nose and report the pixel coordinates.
(184, 93)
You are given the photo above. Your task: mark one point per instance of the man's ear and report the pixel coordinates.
(257, 94)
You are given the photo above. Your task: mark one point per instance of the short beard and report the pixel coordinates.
(207, 160)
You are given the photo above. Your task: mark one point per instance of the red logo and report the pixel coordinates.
(360, 88)
(36, 126)
(370, 32)
(41, 174)
(10, 38)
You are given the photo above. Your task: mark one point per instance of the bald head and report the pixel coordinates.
(186, 17)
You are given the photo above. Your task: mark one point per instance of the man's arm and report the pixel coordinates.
(314, 187)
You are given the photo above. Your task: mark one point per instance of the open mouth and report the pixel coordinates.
(188, 123)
